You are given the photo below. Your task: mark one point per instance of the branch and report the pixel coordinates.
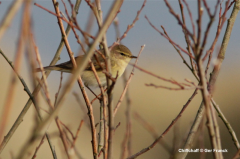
(35, 92)
(133, 23)
(80, 83)
(179, 21)
(152, 131)
(67, 87)
(180, 85)
(170, 40)
(17, 64)
(128, 82)
(166, 131)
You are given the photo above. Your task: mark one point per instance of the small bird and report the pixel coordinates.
(120, 56)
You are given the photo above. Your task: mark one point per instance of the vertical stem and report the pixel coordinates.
(17, 64)
(210, 115)
(80, 83)
(101, 128)
(215, 72)
(35, 92)
(224, 44)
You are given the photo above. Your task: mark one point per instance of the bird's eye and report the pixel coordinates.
(122, 54)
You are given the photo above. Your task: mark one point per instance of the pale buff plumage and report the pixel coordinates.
(120, 56)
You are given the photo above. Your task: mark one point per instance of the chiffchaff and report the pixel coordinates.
(120, 56)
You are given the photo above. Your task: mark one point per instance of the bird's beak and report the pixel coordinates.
(133, 57)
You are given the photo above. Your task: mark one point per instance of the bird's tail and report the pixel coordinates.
(49, 68)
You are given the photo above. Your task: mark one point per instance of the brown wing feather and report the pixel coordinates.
(96, 60)
(67, 66)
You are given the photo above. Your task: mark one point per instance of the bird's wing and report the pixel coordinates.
(65, 66)
(98, 62)
(68, 66)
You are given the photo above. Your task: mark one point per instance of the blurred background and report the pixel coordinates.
(157, 106)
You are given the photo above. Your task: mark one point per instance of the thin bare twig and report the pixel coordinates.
(166, 131)
(76, 135)
(224, 45)
(11, 132)
(152, 131)
(230, 5)
(227, 124)
(179, 21)
(127, 84)
(193, 130)
(63, 137)
(197, 50)
(66, 127)
(37, 148)
(45, 86)
(35, 92)
(170, 88)
(188, 42)
(133, 23)
(180, 85)
(89, 106)
(107, 142)
(170, 40)
(207, 8)
(216, 69)
(222, 19)
(67, 21)
(80, 67)
(44, 81)
(184, 61)
(60, 85)
(191, 18)
(17, 64)
(211, 123)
